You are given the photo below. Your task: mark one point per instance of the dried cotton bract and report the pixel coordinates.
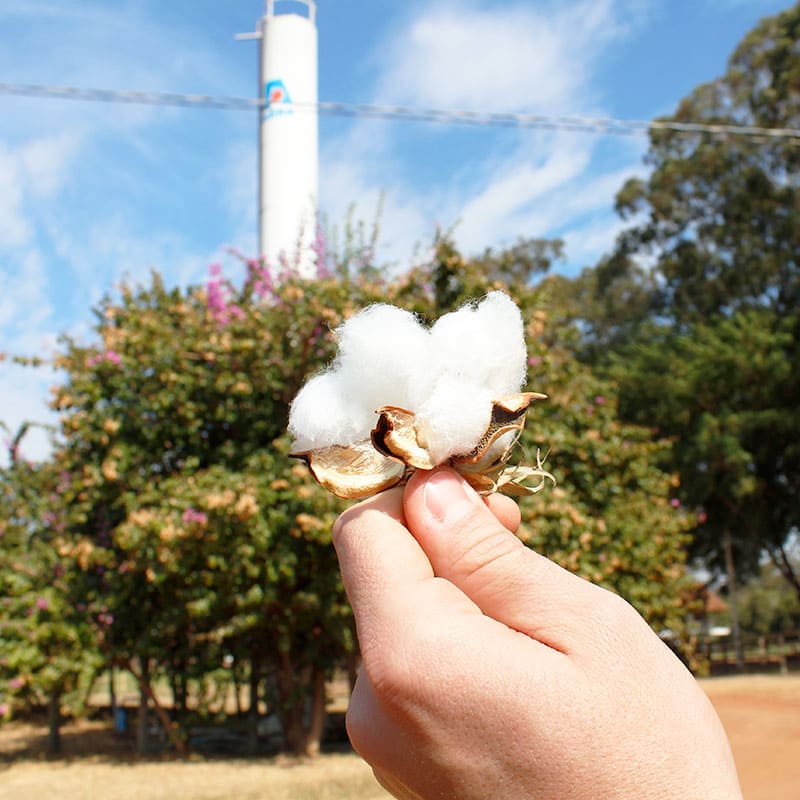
(445, 395)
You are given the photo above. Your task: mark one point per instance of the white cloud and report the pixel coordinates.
(94, 43)
(46, 161)
(485, 56)
(22, 301)
(15, 228)
(238, 181)
(350, 191)
(109, 251)
(583, 243)
(22, 400)
(594, 192)
(510, 204)
(25, 330)
(28, 173)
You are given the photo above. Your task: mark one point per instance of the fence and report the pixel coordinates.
(776, 652)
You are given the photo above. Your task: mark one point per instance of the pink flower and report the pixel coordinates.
(215, 269)
(3, 709)
(16, 683)
(320, 249)
(534, 361)
(675, 503)
(42, 604)
(260, 277)
(702, 517)
(217, 302)
(191, 515)
(599, 400)
(216, 297)
(112, 356)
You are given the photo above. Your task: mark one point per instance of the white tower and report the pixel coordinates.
(288, 137)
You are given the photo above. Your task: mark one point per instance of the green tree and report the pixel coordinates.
(48, 655)
(721, 213)
(185, 392)
(704, 337)
(614, 516)
(767, 605)
(192, 538)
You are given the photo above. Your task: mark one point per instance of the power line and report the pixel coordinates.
(597, 125)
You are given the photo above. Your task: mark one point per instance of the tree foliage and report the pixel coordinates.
(614, 516)
(199, 537)
(767, 604)
(48, 651)
(189, 539)
(696, 312)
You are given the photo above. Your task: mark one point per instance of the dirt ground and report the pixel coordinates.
(761, 714)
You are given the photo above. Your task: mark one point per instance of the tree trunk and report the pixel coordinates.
(252, 712)
(54, 723)
(316, 723)
(237, 690)
(144, 706)
(301, 702)
(112, 693)
(781, 560)
(730, 568)
(147, 696)
(179, 691)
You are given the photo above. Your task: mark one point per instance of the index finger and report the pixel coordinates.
(375, 549)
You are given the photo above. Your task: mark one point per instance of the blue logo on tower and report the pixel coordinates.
(277, 99)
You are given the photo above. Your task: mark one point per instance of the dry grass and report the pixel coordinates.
(761, 714)
(332, 777)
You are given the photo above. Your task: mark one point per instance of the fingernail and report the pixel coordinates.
(447, 496)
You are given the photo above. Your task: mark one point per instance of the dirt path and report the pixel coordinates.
(761, 715)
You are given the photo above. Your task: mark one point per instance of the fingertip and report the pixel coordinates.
(439, 497)
(505, 509)
(389, 503)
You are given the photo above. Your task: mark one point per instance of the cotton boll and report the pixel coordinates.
(448, 376)
(380, 349)
(506, 356)
(326, 412)
(483, 344)
(453, 418)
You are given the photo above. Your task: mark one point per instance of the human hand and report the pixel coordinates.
(490, 672)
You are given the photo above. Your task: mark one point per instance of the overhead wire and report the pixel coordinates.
(596, 125)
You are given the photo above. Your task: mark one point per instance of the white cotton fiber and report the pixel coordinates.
(380, 351)
(481, 344)
(325, 412)
(448, 376)
(453, 418)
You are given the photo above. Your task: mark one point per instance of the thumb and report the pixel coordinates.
(467, 546)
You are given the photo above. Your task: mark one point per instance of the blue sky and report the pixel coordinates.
(92, 193)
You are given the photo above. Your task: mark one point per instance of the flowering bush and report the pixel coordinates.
(47, 646)
(186, 538)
